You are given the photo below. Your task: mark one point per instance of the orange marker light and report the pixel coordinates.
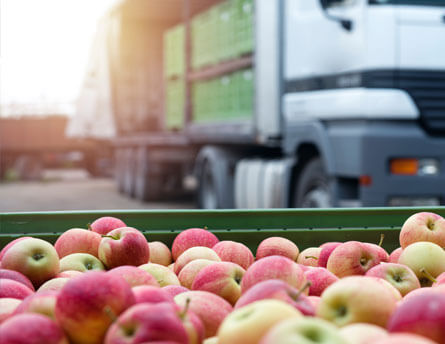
(404, 166)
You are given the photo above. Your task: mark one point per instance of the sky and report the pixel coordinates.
(44, 48)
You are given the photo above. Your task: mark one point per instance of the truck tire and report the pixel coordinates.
(147, 186)
(313, 186)
(207, 192)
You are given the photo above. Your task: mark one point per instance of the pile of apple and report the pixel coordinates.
(108, 284)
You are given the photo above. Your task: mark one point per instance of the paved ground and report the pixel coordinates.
(71, 190)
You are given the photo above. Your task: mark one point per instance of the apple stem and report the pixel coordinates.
(110, 236)
(109, 312)
(296, 295)
(428, 275)
(311, 257)
(89, 226)
(382, 237)
(206, 228)
(186, 308)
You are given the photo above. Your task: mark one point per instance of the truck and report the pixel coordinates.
(272, 103)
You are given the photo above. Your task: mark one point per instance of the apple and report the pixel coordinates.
(43, 303)
(191, 269)
(16, 276)
(104, 225)
(80, 262)
(319, 278)
(37, 259)
(155, 323)
(124, 246)
(422, 314)
(315, 301)
(247, 325)
(221, 278)
(423, 226)
(4, 249)
(78, 240)
(31, 328)
(69, 273)
(54, 284)
(151, 294)
(303, 330)
(440, 280)
(88, 304)
(7, 307)
(400, 276)
(379, 251)
(438, 289)
(160, 253)
(210, 308)
(325, 252)
(196, 252)
(357, 299)
(273, 267)
(362, 333)
(163, 275)
(134, 275)
(192, 237)
(13, 289)
(394, 256)
(426, 259)
(404, 338)
(278, 290)
(174, 290)
(211, 340)
(309, 256)
(235, 252)
(352, 258)
(277, 246)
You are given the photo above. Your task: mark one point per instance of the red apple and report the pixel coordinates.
(394, 256)
(400, 276)
(124, 246)
(196, 252)
(16, 276)
(422, 314)
(43, 303)
(151, 294)
(69, 273)
(81, 262)
(192, 237)
(210, 308)
(235, 252)
(104, 225)
(134, 275)
(379, 251)
(440, 280)
(77, 240)
(278, 290)
(326, 250)
(221, 278)
(273, 267)
(7, 307)
(277, 246)
(423, 226)
(88, 304)
(154, 322)
(174, 290)
(309, 256)
(31, 328)
(160, 253)
(315, 301)
(37, 259)
(191, 269)
(362, 333)
(13, 289)
(163, 275)
(54, 284)
(4, 249)
(352, 258)
(404, 338)
(320, 278)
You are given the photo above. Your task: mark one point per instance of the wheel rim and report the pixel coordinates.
(318, 197)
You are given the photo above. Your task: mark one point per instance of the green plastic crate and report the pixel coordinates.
(175, 102)
(244, 39)
(174, 52)
(306, 227)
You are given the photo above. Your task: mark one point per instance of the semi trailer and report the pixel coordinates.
(272, 103)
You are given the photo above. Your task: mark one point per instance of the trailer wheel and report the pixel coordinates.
(313, 186)
(207, 193)
(147, 186)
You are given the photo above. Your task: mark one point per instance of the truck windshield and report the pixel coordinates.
(409, 2)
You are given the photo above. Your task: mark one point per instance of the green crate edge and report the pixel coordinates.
(306, 227)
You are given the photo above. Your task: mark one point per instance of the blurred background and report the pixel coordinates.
(221, 104)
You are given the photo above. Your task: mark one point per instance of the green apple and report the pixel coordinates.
(80, 262)
(163, 274)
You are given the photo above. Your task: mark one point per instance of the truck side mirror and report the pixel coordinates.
(345, 23)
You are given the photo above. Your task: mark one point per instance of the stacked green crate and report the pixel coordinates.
(226, 31)
(244, 22)
(245, 93)
(174, 68)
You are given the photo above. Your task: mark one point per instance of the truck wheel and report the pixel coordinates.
(207, 194)
(147, 187)
(313, 186)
